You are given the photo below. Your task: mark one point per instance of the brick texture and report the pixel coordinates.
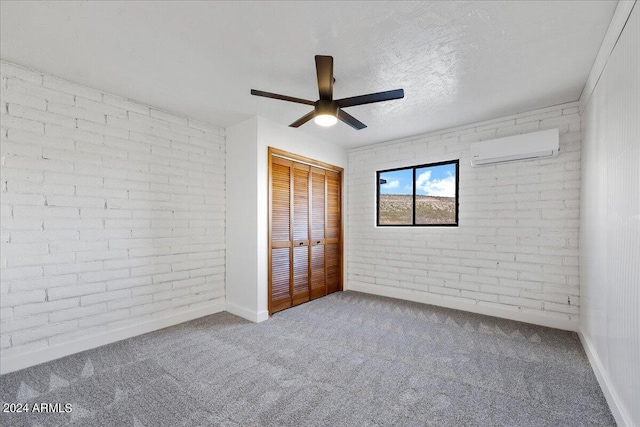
(113, 212)
(516, 246)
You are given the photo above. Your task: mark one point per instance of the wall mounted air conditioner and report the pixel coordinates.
(533, 145)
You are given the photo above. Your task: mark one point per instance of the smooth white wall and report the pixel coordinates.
(112, 218)
(515, 252)
(241, 225)
(248, 142)
(610, 226)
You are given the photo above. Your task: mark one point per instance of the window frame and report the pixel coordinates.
(413, 211)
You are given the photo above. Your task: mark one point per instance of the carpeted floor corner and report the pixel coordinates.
(349, 359)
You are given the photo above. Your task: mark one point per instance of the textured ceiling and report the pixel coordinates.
(458, 62)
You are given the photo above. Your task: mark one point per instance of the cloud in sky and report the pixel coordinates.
(392, 184)
(445, 187)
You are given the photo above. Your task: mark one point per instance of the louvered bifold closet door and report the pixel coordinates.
(318, 222)
(281, 254)
(305, 247)
(300, 233)
(333, 229)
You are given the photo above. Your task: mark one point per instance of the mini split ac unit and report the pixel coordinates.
(533, 145)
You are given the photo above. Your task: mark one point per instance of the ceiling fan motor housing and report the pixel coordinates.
(323, 106)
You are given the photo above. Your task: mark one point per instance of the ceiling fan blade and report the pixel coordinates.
(370, 98)
(324, 69)
(350, 120)
(302, 120)
(281, 97)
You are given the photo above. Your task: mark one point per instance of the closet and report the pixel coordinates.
(305, 229)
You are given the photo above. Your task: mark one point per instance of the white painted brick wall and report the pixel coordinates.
(517, 243)
(113, 212)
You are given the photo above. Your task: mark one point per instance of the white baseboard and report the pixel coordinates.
(615, 404)
(245, 313)
(262, 316)
(40, 356)
(433, 299)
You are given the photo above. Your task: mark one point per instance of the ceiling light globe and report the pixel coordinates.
(325, 120)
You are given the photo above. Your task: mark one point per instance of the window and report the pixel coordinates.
(424, 195)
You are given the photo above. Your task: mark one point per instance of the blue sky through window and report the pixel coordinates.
(431, 181)
(398, 182)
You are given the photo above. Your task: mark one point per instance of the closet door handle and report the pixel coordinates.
(301, 243)
(318, 242)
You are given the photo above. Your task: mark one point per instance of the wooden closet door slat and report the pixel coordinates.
(318, 287)
(300, 233)
(318, 218)
(280, 288)
(317, 204)
(280, 206)
(280, 279)
(300, 274)
(334, 227)
(300, 203)
(333, 205)
(333, 267)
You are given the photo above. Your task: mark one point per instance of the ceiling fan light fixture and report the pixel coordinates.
(325, 113)
(325, 120)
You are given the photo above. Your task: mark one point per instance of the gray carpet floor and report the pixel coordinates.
(349, 359)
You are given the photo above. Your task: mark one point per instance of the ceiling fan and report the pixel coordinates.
(326, 110)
